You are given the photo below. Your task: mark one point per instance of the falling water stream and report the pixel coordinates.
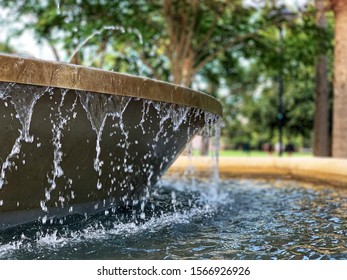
(24, 104)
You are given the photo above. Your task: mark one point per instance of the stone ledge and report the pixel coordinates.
(327, 170)
(14, 69)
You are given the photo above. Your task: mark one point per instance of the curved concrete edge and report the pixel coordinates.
(39, 72)
(326, 170)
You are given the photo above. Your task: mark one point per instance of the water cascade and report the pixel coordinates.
(79, 151)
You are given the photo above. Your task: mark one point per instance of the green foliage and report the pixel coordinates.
(6, 48)
(206, 28)
(258, 106)
(234, 51)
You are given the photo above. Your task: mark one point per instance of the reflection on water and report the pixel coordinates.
(241, 219)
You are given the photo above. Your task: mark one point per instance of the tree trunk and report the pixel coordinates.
(340, 80)
(321, 145)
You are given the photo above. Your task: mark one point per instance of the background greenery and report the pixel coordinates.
(223, 47)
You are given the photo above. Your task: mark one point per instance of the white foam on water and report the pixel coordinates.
(97, 232)
(205, 204)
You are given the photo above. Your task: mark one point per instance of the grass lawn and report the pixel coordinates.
(239, 153)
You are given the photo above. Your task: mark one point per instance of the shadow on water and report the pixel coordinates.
(240, 219)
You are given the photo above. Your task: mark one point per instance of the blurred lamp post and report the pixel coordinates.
(281, 16)
(280, 93)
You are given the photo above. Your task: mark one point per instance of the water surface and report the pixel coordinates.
(238, 219)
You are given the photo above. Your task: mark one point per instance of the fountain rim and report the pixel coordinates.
(33, 71)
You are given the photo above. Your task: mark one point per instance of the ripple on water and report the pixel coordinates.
(241, 219)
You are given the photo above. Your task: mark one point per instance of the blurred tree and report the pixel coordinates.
(340, 77)
(259, 105)
(223, 44)
(322, 142)
(200, 31)
(6, 47)
(180, 37)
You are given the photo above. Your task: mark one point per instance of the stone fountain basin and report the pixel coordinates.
(80, 140)
(331, 171)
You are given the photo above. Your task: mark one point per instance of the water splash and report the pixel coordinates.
(178, 115)
(121, 29)
(166, 112)
(91, 36)
(57, 3)
(137, 33)
(172, 204)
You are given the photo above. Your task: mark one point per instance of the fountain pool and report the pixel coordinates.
(239, 219)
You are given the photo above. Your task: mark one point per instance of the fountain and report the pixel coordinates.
(81, 140)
